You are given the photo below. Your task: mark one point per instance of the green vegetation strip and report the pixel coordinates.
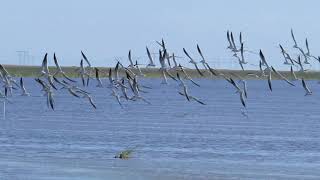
(71, 71)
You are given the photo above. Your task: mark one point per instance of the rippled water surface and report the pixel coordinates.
(172, 138)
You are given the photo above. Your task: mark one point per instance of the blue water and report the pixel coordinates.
(172, 138)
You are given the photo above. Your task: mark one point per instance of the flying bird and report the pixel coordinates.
(294, 77)
(59, 69)
(24, 91)
(130, 59)
(48, 92)
(306, 88)
(285, 56)
(294, 39)
(193, 62)
(86, 59)
(88, 96)
(242, 99)
(269, 81)
(281, 76)
(151, 63)
(203, 61)
(114, 93)
(263, 60)
(180, 68)
(98, 78)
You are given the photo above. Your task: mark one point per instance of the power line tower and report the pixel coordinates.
(23, 57)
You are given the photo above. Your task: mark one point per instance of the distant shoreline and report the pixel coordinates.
(34, 71)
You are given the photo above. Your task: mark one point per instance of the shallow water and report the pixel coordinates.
(172, 138)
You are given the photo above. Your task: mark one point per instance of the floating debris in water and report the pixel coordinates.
(124, 154)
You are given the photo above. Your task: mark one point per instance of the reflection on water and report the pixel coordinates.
(173, 139)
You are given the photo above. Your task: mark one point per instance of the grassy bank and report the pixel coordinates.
(34, 71)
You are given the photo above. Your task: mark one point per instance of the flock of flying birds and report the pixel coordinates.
(124, 80)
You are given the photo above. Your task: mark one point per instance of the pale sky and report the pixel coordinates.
(107, 29)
